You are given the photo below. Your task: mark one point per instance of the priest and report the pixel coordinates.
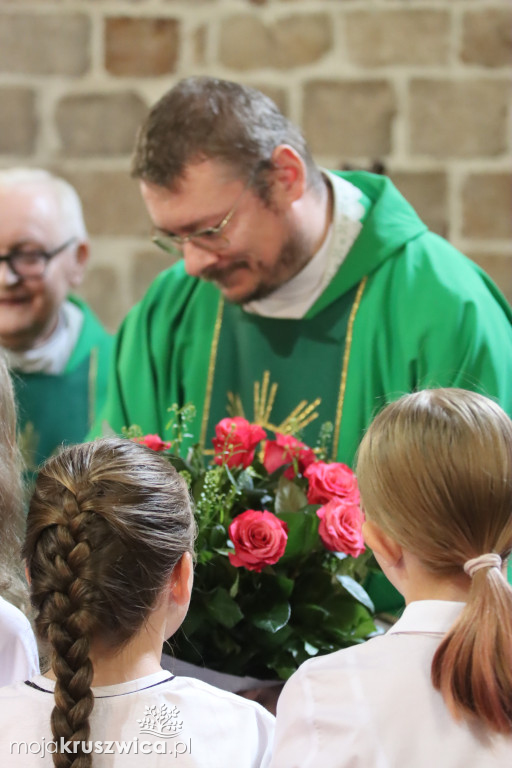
(303, 295)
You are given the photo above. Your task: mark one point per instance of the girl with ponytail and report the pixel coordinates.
(109, 547)
(435, 476)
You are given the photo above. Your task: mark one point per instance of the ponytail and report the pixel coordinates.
(472, 667)
(435, 473)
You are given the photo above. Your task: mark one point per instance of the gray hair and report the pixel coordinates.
(70, 207)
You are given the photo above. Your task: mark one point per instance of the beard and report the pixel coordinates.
(293, 256)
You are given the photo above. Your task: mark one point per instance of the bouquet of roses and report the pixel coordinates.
(280, 554)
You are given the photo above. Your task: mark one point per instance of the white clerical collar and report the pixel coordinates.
(293, 299)
(51, 357)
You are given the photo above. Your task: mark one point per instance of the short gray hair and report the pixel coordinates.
(70, 206)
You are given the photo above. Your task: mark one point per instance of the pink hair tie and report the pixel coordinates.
(490, 560)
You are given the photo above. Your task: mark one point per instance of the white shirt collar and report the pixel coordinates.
(51, 357)
(427, 617)
(293, 299)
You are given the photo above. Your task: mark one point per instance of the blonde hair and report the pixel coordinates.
(12, 583)
(107, 523)
(435, 473)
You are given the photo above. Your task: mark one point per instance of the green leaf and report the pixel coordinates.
(177, 462)
(245, 481)
(274, 618)
(289, 497)
(302, 533)
(357, 591)
(310, 649)
(223, 608)
(218, 537)
(285, 585)
(234, 587)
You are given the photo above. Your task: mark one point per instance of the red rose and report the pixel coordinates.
(327, 481)
(259, 539)
(235, 440)
(340, 527)
(153, 441)
(284, 450)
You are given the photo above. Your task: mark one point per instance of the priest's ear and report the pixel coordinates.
(289, 175)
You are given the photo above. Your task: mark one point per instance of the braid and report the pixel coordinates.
(67, 620)
(107, 524)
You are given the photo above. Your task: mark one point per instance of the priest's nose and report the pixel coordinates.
(197, 259)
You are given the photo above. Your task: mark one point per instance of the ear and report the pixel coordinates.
(27, 574)
(289, 174)
(386, 550)
(80, 261)
(181, 580)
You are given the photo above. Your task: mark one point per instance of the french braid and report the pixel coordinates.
(107, 523)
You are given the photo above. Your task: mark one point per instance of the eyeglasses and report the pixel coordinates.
(27, 264)
(210, 239)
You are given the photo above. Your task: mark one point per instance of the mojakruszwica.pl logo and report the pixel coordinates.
(162, 723)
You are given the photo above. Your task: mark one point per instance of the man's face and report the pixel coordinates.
(30, 220)
(264, 249)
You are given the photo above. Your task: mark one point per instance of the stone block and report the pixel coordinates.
(498, 267)
(141, 47)
(278, 95)
(487, 37)
(199, 44)
(246, 42)
(487, 205)
(147, 265)
(426, 191)
(349, 118)
(112, 203)
(402, 37)
(99, 123)
(44, 44)
(463, 118)
(18, 121)
(100, 290)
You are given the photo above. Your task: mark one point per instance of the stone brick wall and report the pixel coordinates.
(422, 85)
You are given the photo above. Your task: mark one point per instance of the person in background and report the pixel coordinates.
(18, 649)
(304, 296)
(109, 548)
(435, 476)
(56, 347)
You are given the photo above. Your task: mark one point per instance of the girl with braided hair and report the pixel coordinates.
(18, 650)
(435, 476)
(109, 545)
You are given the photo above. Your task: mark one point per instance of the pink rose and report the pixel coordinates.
(284, 450)
(259, 539)
(327, 481)
(340, 527)
(235, 440)
(153, 441)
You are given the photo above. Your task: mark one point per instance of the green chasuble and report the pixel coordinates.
(59, 408)
(405, 311)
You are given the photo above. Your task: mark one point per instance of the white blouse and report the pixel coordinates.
(374, 706)
(19, 659)
(155, 721)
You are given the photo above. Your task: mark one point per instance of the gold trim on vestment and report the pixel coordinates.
(92, 378)
(344, 370)
(264, 396)
(211, 372)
